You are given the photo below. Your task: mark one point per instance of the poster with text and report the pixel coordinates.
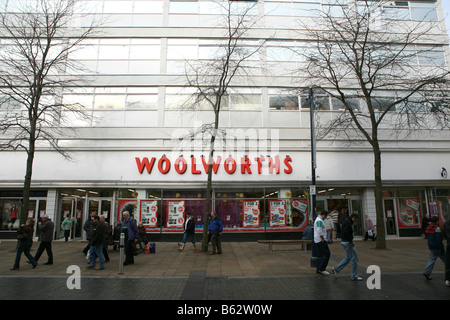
(300, 212)
(408, 213)
(277, 213)
(149, 213)
(251, 213)
(175, 214)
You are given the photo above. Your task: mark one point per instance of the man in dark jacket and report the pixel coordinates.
(189, 231)
(45, 232)
(215, 229)
(349, 247)
(434, 236)
(130, 229)
(98, 240)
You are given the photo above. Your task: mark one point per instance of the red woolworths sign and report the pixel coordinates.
(230, 165)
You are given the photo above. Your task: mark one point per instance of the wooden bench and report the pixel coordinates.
(304, 243)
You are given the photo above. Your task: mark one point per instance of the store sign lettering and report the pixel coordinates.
(229, 165)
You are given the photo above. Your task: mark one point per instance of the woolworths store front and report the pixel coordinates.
(256, 196)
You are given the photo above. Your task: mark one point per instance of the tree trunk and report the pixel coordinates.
(209, 185)
(27, 181)
(381, 234)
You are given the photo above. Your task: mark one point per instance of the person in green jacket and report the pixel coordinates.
(66, 225)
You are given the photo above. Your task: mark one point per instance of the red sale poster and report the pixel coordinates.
(149, 213)
(277, 213)
(175, 214)
(408, 212)
(300, 213)
(251, 214)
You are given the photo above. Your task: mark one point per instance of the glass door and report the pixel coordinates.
(101, 206)
(390, 216)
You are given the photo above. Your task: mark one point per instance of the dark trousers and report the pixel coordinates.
(66, 235)
(24, 247)
(216, 245)
(447, 263)
(129, 254)
(323, 255)
(47, 246)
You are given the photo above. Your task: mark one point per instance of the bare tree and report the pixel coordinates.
(214, 78)
(357, 55)
(37, 39)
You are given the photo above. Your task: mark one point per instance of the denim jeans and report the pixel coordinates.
(434, 254)
(187, 235)
(94, 252)
(350, 256)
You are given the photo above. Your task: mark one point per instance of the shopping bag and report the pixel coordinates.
(138, 248)
(152, 248)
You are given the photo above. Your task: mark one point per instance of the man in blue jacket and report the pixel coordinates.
(215, 229)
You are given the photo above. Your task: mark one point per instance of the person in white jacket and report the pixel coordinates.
(329, 226)
(320, 240)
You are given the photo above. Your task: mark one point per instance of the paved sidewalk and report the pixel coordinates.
(245, 271)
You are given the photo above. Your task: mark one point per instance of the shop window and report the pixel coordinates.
(10, 211)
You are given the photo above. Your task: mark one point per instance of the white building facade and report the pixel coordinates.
(130, 155)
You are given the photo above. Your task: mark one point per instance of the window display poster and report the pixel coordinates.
(277, 213)
(408, 213)
(251, 213)
(149, 213)
(127, 205)
(300, 207)
(175, 214)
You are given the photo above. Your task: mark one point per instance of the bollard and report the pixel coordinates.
(121, 248)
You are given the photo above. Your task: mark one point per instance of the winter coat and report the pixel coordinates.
(215, 226)
(45, 230)
(434, 235)
(98, 235)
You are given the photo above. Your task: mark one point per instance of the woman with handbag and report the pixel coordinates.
(25, 237)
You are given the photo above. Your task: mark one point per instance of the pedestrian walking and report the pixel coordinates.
(25, 238)
(320, 240)
(215, 229)
(45, 232)
(189, 232)
(108, 236)
(370, 229)
(66, 226)
(88, 226)
(129, 228)
(349, 248)
(435, 244)
(97, 242)
(446, 234)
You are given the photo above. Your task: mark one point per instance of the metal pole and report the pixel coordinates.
(121, 248)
